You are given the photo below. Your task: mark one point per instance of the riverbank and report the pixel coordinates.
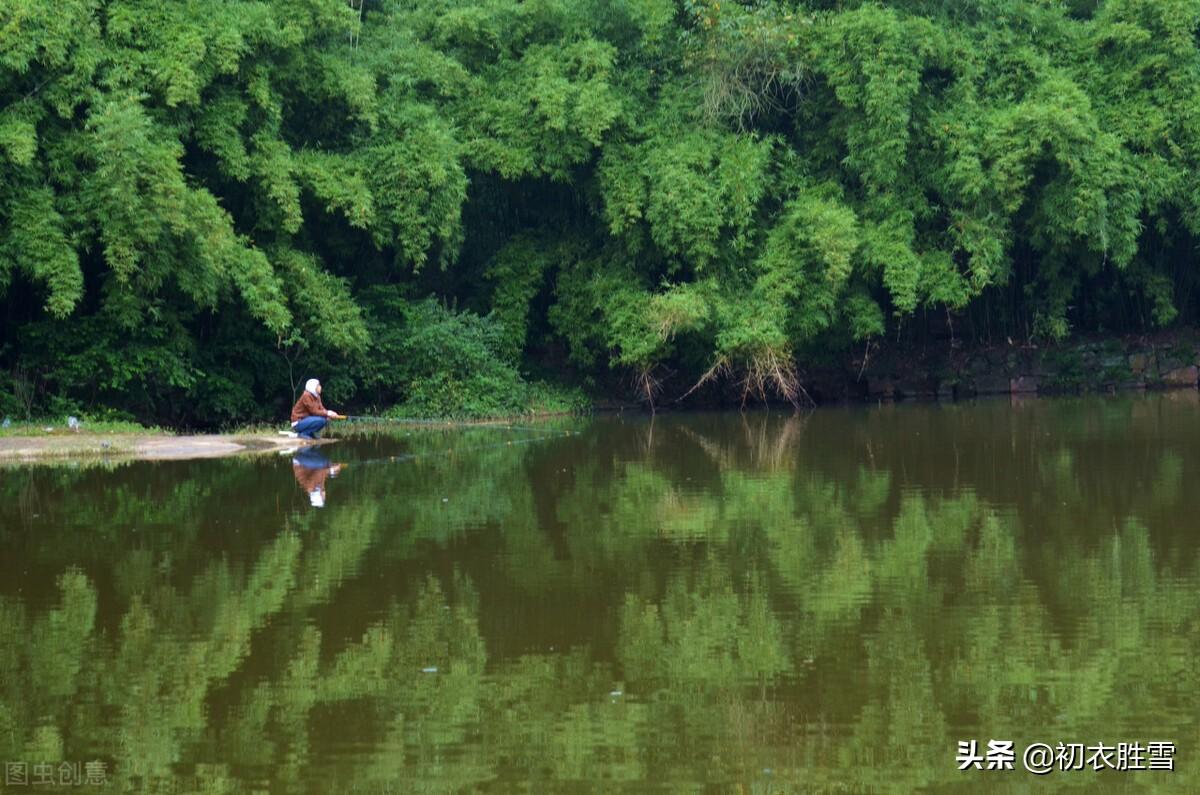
(944, 371)
(53, 441)
(141, 446)
(950, 371)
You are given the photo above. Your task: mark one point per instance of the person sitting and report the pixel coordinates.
(309, 415)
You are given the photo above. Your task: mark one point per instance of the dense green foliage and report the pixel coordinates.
(201, 202)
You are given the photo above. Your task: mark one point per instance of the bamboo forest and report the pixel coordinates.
(460, 208)
(759, 397)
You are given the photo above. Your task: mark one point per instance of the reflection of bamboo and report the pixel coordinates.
(747, 431)
(785, 440)
(755, 725)
(769, 452)
(714, 450)
(29, 502)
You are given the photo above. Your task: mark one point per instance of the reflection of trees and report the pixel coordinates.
(753, 611)
(702, 635)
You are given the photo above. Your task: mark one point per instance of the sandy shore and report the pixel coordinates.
(59, 447)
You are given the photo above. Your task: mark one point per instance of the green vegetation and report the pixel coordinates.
(204, 203)
(88, 426)
(452, 365)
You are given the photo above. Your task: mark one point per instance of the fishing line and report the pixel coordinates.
(542, 435)
(393, 459)
(443, 423)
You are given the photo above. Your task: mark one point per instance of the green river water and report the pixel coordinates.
(743, 603)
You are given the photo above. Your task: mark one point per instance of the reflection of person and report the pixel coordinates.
(309, 415)
(311, 470)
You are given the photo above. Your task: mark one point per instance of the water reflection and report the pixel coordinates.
(311, 469)
(701, 603)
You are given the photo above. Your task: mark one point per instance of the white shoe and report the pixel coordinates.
(288, 434)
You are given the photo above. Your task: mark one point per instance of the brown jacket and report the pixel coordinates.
(309, 405)
(310, 479)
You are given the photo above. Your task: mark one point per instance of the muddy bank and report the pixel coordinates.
(19, 449)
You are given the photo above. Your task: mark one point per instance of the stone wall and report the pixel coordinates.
(948, 373)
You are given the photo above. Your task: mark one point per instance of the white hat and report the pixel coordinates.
(311, 385)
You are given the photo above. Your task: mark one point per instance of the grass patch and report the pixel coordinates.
(58, 426)
(544, 398)
(258, 429)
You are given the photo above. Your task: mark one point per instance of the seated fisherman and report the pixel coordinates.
(309, 415)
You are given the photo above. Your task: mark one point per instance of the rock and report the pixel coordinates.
(1181, 376)
(992, 384)
(1023, 384)
(826, 387)
(1174, 356)
(1139, 362)
(1041, 366)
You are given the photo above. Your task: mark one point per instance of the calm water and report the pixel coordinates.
(703, 603)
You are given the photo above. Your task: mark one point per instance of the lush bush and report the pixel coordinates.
(427, 360)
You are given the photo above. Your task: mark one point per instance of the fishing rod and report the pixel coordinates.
(403, 420)
(444, 423)
(392, 459)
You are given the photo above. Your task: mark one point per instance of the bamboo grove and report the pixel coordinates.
(431, 201)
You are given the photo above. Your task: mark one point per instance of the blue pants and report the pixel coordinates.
(310, 427)
(310, 458)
